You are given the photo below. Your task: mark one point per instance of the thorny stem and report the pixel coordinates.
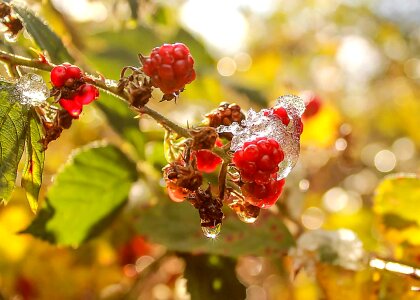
(222, 180)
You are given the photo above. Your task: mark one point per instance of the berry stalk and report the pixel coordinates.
(12, 61)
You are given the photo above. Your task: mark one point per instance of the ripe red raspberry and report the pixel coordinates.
(313, 105)
(258, 159)
(263, 195)
(170, 67)
(60, 74)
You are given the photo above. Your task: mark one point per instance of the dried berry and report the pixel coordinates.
(225, 114)
(209, 207)
(183, 175)
(170, 67)
(203, 138)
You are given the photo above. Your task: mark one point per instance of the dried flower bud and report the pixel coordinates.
(203, 138)
(185, 176)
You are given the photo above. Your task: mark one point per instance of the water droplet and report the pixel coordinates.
(246, 218)
(211, 232)
(257, 125)
(31, 90)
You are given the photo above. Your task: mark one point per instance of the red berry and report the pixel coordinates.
(58, 76)
(74, 108)
(74, 72)
(65, 74)
(170, 67)
(175, 192)
(263, 195)
(207, 161)
(281, 113)
(87, 93)
(258, 159)
(133, 249)
(313, 105)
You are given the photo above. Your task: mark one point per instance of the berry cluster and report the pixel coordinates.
(258, 162)
(72, 90)
(170, 67)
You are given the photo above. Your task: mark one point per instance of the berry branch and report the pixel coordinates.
(12, 61)
(249, 180)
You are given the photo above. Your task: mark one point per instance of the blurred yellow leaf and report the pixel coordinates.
(396, 205)
(321, 129)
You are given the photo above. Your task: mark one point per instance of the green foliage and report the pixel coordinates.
(212, 277)
(85, 196)
(35, 156)
(177, 226)
(42, 34)
(14, 122)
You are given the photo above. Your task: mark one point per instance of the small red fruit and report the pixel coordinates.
(87, 93)
(170, 67)
(263, 195)
(313, 104)
(207, 161)
(133, 249)
(74, 108)
(258, 159)
(58, 76)
(175, 192)
(279, 112)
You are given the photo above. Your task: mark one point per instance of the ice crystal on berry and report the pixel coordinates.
(269, 125)
(31, 90)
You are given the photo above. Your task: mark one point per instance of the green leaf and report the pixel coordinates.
(43, 35)
(85, 196)
(14, 120)
(212, 277)
(35, 156)
(122, 120)
(177, 226)
(397, 205)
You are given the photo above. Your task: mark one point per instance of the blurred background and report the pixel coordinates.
(359, 60)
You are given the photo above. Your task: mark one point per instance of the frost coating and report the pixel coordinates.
(111, 83)
(257, 124)
(31, 90)
(341, 247)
